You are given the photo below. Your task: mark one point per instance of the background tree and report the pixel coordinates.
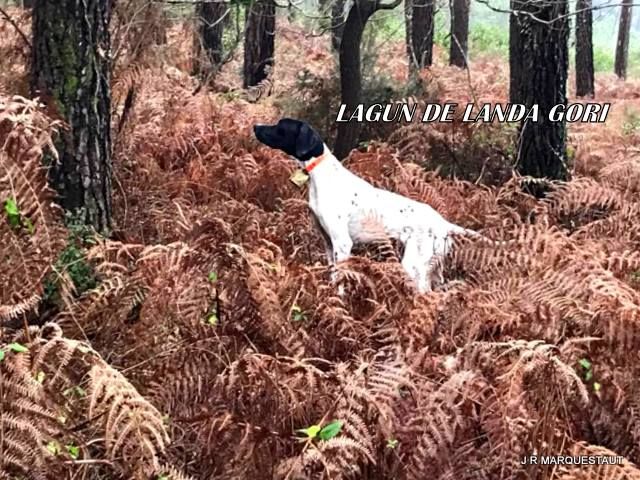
(337, 23)
(422, 29)
(259, 41)
(584, 49)
(350, 74)
(542, 47)
(515, 49)
(459, 33)
(208, 48)
(70, 71)
(622, 47)
(407, 33)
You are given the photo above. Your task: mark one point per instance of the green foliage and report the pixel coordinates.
(489, 39)
(53, 447)
(587, 368)
(73, 451)
(441, 35)
(72, 260)
(310, 432)
(76, 391)
(330, 430)
(17, 348)
(602, 59)
(212, 319)
(325, 433)
(14, 347)
(297, 315)
(631, 123)
(15, 218)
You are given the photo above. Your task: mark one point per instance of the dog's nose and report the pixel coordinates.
(258, 129)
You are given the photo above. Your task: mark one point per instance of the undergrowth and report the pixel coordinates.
(205, 340)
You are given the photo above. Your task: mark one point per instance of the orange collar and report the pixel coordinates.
(315, 163)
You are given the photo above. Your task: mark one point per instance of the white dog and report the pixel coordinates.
(346, 205)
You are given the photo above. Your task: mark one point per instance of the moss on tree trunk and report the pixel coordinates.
(70, 72)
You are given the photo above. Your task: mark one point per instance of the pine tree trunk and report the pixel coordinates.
(515, 51)
(259, 41)
(350, 74)
(408, 11)
(208, 39)
(70, 71)
(422, 28)
(584, 49)
(459, 33)
(622, 47)
(337, 23)
(28, 3)
(542, 81)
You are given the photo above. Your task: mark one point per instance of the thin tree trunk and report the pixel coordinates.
(208, 39)
(459, 33)
(407, 32)
(70, 71)
(337, 23)
(350, 74)
(543, 78)
(622, 47)
(422, 29)
(584, 49)
(259, 41)
(515, 51)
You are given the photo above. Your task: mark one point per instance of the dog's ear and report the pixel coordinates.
(308, 143)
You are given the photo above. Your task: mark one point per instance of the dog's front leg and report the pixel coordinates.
(341, 245)
(326, 240)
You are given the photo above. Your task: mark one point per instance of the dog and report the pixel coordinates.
(345, 205)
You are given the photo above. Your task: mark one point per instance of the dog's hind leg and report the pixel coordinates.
(416, 262)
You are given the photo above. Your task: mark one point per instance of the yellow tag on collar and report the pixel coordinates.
(299, 177)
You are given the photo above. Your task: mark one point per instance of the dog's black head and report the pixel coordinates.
(293, 137)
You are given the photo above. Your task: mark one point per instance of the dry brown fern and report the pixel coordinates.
(30, 232)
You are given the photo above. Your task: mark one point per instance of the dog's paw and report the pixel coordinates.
(333, 276)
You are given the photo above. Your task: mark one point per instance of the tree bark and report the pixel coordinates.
(208, 47)
(259, 41)
(584, 49)
(28, 3)
(622, 47)
(350, 74)
(459, 33)
(70, 71)
(337, 24)
(421, 33)
(407, 32)
(543, 52)
(515, 52)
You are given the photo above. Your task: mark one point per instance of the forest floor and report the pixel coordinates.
(202, 336)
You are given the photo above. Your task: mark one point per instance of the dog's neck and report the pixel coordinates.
(318, 166)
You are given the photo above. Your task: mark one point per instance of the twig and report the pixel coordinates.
(15, 25)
